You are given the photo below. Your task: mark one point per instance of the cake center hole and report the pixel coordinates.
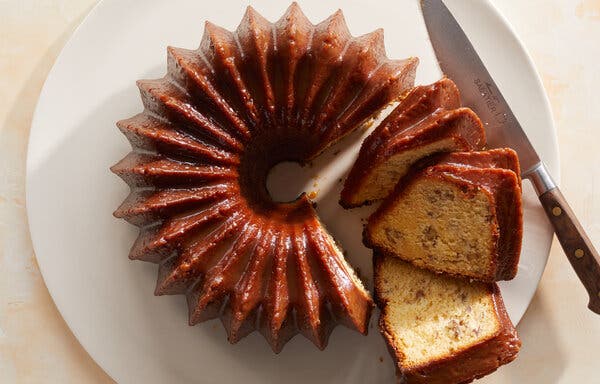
(287, 180)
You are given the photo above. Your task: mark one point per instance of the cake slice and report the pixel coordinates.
(461, 216)
(439, 329)
(427, 120)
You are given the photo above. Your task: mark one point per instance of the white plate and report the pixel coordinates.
(82, 250)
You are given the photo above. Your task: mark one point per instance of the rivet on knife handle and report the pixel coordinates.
(577, 246)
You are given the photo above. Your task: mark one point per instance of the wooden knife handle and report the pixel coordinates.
(577, 246)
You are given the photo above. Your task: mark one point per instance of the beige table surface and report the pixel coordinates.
(560, 336)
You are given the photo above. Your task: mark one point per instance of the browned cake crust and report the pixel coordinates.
(505, 158)
(427, 114)
(473, 172)
(462, 366)
(212, 128)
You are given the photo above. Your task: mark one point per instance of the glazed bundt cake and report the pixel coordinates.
(428, 120)
(440, 329)
(461, 216)
(210, 132)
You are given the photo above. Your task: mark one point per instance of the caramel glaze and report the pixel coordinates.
(497, 173)
(464, 365)
(503, 158)
(210, 132)
(426, 114)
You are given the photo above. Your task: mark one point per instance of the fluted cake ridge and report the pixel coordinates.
(211, 129)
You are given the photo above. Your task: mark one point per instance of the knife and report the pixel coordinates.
(459, 61)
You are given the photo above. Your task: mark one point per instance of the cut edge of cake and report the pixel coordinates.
(476, 358)
(486, 201)
(427, 121)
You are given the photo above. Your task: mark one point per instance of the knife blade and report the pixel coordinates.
(459, 61)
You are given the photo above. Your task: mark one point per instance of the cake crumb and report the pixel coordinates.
(358, 273)
(393, 235)
(381, 359)
(368, 124)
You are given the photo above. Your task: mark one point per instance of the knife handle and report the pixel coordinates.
(577, 246)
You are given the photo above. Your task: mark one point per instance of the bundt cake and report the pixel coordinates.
(440, 329)
(428, 120)
(461, 216)
(212, 128)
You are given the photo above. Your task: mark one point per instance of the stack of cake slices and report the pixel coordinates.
(449, 227)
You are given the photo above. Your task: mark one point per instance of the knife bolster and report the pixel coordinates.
(540, 178)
